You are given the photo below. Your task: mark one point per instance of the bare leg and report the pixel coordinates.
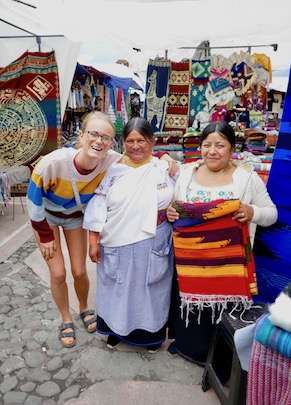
(59, 288)
(77, 245)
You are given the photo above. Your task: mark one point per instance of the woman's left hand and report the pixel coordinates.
(172, 214)
(245, 213)
(173, 167)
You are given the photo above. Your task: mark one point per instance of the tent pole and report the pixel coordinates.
(38, 41)
(16, 26)
(32, 34)
(25, 4)
(37, 38)
(248, 47)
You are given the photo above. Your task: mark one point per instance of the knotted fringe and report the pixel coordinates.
(218, 305)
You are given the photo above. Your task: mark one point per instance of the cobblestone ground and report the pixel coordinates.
(36, 369)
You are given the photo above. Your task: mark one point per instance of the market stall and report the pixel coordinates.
(182, 97)
(111, 89)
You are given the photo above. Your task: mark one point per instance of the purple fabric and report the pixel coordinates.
(220, 234)
(211, 262)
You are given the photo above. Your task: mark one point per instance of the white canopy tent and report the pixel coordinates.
(109, 30)
(154, 26)
(18, 22)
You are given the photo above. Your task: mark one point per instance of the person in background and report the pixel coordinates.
(131, 242)
(218, 182)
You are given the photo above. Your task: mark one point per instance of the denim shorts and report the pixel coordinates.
(65, 223)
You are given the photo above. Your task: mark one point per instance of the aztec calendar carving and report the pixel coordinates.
(23, 128)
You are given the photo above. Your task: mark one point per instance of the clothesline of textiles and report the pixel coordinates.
(183, 97)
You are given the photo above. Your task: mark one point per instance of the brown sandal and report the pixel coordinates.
(91, 319)
(63, 334)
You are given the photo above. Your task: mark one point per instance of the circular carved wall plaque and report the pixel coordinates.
(23, 128)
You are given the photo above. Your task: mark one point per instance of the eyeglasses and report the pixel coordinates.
(103, 137)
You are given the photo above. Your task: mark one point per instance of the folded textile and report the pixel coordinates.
(213, 255)
(269, 380)
(273, 337)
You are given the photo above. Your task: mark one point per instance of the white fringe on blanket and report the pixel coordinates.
(217, 303)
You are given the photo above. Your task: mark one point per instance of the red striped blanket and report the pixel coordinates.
(213, 255)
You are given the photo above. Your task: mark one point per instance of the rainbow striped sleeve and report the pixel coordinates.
(35, 193)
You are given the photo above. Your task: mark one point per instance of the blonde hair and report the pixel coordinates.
(96, 114)
(87, 117)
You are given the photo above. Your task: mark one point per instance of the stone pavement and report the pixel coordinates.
(35, 369)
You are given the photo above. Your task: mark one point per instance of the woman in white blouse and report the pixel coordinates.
(130, 239)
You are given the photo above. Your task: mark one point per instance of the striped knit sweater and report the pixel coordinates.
(51, 188)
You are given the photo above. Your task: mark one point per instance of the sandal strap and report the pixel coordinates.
(67, 325)
(86, 313)
(67, 334)
(91, 320)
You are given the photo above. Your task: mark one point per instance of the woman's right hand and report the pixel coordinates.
(48, 249)
(94, 246)
(172, 214)
(94, 252)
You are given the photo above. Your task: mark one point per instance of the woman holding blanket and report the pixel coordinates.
(216, 209)
(130, 240)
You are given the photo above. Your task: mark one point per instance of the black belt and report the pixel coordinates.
(58, 214)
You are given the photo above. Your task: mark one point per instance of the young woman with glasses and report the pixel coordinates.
(61, 185)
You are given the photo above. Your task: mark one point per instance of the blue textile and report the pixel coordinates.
(158, 73)
(121, 82)
(81, 73)
(273, 245)
(273, 337)
(280, 191)
(182, 222)
(276, 240)
(273, 275)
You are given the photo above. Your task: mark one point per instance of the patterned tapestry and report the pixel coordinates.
(30, 119)
(243, 76)
(158, 73)
(272, 248)
(200, 73)
(178, 98)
